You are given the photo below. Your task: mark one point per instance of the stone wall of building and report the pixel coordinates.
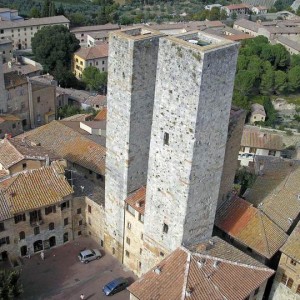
(131, 84)
(233, 144)
(133, 242)
(189, 131)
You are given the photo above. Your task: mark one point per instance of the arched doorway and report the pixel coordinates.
(66, 237)
(38, 245)
(52, 241)
(23, 250)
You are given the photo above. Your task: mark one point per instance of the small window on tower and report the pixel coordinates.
(166, 138)
(166, 228)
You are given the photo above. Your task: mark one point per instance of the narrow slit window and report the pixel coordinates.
(166, 138)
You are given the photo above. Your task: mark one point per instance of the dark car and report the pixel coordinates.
(115, 286)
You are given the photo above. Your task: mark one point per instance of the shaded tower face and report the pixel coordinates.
(3, 93)
(131, 86)
(193, 94)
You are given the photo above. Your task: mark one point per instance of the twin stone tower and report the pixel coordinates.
(169, 101)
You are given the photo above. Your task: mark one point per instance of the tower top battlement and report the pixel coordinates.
(137, 33)
(201, 41)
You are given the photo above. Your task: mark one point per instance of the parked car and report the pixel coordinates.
(115, 286)
(86, 256)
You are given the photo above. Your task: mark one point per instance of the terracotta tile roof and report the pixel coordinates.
(238, 37)
(261, 140)
(34, 22)
(237, 6)
(87, 29)
(34, 189)
(258, 109)
(250, 227)
(276, 191)
(13, 79)
(102, 115)
(97, 51)
(253, 26)
(137, 200)
(69, 144)
(9, 118)
(200, 276)
(292, 247)
(5, 212)
(14, 150)
(96, 100)
(78, 117)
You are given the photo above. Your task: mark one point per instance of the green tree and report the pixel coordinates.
(267, 79)
(294, 78)
(52, 9)
(242, 62)
(94, 79)
(223, 15)
(102, 16)
(52, 45)
(234, 16)
(280, 82)
(270, 112)
(282, 57)
(46, 8)
(295, 60)
(34, 13)
(214, 14)
(77, 19)
(60, 10)
(10, 288)
(244, 82)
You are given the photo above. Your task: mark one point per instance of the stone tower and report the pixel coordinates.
(131, 86)
(193, 94)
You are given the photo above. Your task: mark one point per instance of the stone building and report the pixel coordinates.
(96, 56)
(192, 104)
(134, 230)
(6, 49)
(18, 155)
(34, 216)
(10, 125)
(131, 84)
(20, 32)
(208, 270)
(287, 281)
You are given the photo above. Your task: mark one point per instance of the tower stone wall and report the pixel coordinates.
(131, 85)
(194, 85)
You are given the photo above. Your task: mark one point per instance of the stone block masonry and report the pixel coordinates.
(194, 84)
(131, 85)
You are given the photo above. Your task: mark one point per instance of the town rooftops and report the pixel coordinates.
(99, 100)
(288, 42)
(202, 273)
(13, 79)
(20, 68)
(276, 191)
(253, 26)
(292, 246)
(69, 144)
(34, 22)
(258, 109)
(95, 28)
(237, 6)
(250, 227)
(34, 189)
(88, 53)
(102, 114)
(15, 150)
(137, 200)
(254, 138)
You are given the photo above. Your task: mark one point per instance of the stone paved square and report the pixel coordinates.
(62, 276)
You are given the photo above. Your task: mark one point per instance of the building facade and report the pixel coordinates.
(21, 32)
(194, 86)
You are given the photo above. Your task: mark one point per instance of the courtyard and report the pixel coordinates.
(61, 276)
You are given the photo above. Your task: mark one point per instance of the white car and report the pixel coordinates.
(86, 256)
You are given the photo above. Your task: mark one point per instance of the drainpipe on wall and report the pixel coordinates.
(30, 102)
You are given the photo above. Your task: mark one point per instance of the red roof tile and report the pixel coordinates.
(200, 276)
(137, 200)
